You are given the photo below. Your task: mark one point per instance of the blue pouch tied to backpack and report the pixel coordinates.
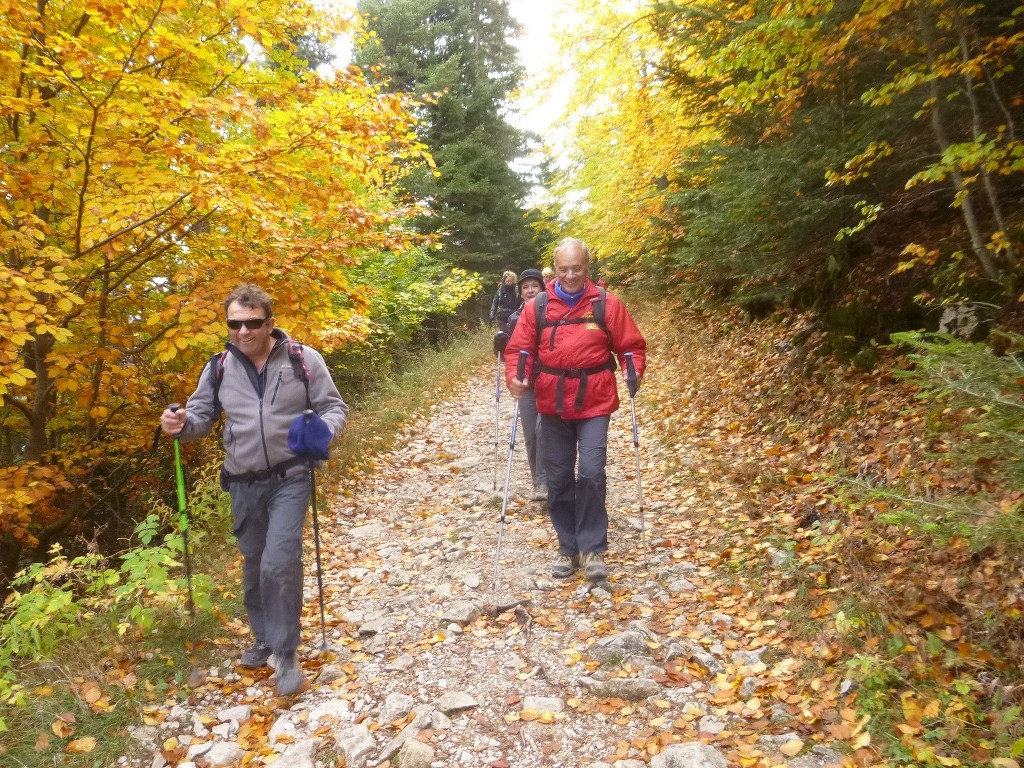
(309, 436)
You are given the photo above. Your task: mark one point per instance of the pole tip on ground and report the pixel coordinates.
(322, 651)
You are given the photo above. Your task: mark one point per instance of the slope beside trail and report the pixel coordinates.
(672, 663)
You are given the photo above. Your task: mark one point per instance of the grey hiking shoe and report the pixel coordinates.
(564, 567)
(540, 492)
(593, 566)
(256, 656)
(290, 679)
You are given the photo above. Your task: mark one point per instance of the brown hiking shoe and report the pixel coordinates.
(593, 566)
(290, 679)
(564, 567)
(255, 657)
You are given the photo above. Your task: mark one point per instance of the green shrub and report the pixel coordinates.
(60, 599)
(976, 389)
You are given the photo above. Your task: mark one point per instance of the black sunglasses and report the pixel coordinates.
(252, 325)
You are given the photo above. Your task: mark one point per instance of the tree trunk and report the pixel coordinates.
(986, 177)
(978, 246)
(39, 414)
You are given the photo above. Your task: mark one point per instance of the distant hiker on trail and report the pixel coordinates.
(265, 381)
(531, 282)
(573, 331)
(505, 301)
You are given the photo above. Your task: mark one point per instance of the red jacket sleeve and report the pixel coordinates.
(524, 337)
(626, 336)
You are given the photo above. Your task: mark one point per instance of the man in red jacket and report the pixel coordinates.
(571, 366)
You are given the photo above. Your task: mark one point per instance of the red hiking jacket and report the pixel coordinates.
(577, 347)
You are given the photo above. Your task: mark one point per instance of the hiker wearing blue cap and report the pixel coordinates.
(264, 383)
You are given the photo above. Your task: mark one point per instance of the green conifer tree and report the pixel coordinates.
(462, 52)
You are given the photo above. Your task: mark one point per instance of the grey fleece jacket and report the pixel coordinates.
(259, 413)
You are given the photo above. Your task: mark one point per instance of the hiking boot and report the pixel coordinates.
(564, 567)
(540, 492)
(256, 656)
(593, 566)
(290, 679)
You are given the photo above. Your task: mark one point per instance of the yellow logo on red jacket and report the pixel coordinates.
(591, 325)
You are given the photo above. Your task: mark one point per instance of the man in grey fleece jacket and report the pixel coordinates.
(261, 394)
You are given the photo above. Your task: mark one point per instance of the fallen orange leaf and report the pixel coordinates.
(792, 748)
(81, 746)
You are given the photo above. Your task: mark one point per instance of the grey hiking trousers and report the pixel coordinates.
(532, 435)
(268, 519)
(576, 500)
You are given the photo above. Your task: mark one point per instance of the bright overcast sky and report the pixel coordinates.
(540, 107)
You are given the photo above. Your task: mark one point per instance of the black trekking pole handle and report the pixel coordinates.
(631, 380)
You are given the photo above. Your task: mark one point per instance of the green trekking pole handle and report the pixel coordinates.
(179, 473)
(179, 478)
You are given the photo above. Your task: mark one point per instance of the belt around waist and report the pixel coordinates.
(278, 470)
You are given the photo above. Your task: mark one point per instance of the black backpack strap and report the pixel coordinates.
(598, 307)
(299, 366)
(540, 307)
(216, 366)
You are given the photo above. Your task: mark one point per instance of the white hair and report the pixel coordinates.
(574, 243)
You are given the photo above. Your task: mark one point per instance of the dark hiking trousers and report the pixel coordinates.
(532, 435)
(576, 500)
(268, 519)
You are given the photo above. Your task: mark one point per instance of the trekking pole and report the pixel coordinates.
(520, 375)
(179, 479)
(633, 385)
(497, 403)
(325, 646)
(500, 341)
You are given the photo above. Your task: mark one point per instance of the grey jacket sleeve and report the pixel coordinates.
(323, 393)
(200, 410)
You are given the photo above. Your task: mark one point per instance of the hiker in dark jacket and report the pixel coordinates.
(263, 382)
(505, 301)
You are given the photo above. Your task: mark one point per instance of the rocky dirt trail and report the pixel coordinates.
(667, 664)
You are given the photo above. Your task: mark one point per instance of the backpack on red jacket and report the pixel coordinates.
(540, 306)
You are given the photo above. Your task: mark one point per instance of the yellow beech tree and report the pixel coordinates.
(629, 132)
(153, 154)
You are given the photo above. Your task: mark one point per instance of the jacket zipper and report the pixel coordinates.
(263, 437)
(277, 387)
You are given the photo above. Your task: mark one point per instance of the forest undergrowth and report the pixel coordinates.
(816, 479)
